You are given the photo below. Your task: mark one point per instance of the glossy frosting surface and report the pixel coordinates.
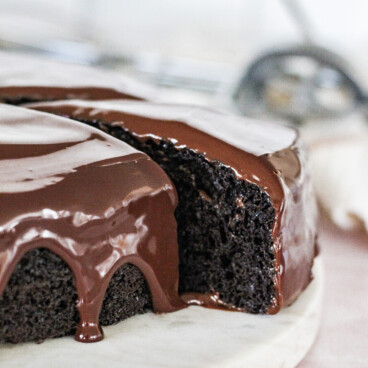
(91, 199)
(250, 135)
(262, 153)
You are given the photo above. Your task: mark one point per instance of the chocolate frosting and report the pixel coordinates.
(92, 200)
(268, 155)
(28, 78)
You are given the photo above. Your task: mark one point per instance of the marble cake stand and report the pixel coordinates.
(191, 338)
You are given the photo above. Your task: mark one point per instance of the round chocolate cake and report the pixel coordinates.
(119, 207)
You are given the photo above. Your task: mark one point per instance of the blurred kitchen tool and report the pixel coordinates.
(300, 82)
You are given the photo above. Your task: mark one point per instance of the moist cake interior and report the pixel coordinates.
(224, 226)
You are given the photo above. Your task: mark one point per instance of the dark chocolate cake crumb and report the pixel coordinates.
(224, 225)
(39, 301)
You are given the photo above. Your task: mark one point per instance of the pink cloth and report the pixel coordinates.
(343, 335)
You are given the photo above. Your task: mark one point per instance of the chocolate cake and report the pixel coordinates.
(25, 78)
(87, 230)
(246, 213)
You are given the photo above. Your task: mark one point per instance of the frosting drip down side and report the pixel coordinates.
(96, 249)
(90, 199)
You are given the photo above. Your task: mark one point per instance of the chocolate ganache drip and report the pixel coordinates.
(90, 199)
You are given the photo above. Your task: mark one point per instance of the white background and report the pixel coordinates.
(219, 30)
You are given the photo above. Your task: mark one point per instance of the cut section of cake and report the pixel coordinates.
(246, 214)
(25, 78)
(87, 230)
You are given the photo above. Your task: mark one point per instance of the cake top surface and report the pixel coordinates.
(253, 136)
(52, 166)
(23, 70)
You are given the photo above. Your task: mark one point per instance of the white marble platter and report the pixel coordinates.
(192, 338)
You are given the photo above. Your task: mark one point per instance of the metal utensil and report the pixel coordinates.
(299, 82)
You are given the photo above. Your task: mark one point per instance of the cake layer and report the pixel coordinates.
(40, 299)
(26, 78)
(91, 200)
(246, 182)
